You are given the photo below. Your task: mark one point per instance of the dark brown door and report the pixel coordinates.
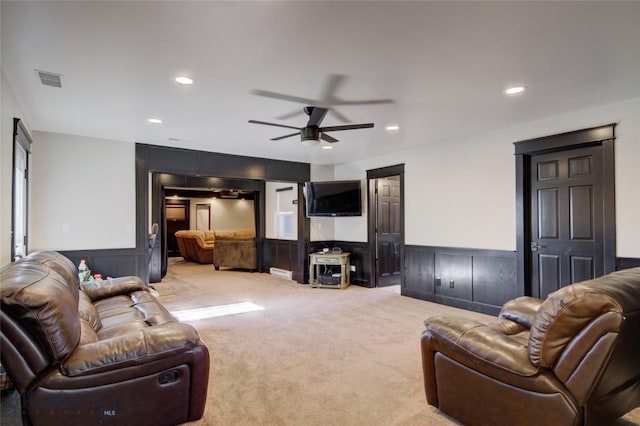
(566, 218)
(388, 231)
(177, 215)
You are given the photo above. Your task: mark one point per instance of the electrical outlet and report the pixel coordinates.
(353, 268)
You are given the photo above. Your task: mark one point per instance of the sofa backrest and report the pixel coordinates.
(59, 263)
(235, 234)
(40, 303)
(566, 312)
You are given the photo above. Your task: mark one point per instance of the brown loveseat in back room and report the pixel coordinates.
(235, 249)
(196, 246)
(572, 359)
(105, 353)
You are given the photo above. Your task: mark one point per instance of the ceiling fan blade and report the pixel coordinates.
(346, 127)
(284, 97)
(339, 116)
(290, 115)
(273, 124)
(364, 102)
(317, 115)
(331, 86)
(328, 138)
(285, 136)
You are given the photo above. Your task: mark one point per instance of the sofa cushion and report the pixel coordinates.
(88, 311)
(42, 300)
(87, 333)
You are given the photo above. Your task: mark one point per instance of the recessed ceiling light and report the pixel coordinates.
(327, 147)
(183, 79)
(392, 128)
(514, 90)
(155, 121)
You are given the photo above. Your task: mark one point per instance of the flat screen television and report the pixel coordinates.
(333, 198)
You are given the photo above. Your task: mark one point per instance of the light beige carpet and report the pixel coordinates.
(313, 356)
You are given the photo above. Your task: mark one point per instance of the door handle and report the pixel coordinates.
(535, 246)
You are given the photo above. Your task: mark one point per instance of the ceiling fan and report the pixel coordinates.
(312, 132)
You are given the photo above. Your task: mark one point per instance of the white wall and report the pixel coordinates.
(9, 108)
(232, 214)
(462, 193)
(83, 193)
(286, 198)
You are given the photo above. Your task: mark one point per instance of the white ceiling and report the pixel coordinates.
(445, 65)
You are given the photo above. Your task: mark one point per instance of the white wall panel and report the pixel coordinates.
(83, 193)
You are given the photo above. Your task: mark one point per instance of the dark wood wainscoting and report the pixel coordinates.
(110, 262)
(627, 263)
(475, 279)
(282, 254)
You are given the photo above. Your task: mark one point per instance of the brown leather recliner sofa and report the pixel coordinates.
(196, 246)
(105, 353)
(235, 249)
(572, 359)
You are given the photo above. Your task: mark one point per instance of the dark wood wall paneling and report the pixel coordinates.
(110, 262)
(280, 254)
(627, 263)
(476, 279)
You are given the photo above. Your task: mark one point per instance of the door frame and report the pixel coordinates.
(603, 136)
(397, 170)
(20, 138)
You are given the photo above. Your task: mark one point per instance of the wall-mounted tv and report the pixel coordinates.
(333, 198)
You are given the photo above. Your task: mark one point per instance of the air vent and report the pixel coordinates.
(49, 78)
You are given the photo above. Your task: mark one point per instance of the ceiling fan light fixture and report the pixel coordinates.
(514, 90)
(310, 142)
(183, 79)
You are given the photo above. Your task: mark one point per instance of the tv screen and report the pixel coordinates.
(333, 198)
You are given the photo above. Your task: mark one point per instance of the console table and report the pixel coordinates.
(330, 263)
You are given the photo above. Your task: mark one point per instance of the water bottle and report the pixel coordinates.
(82, 271)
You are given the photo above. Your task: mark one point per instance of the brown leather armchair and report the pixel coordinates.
(196, 246)
(108, 352)
(572, 359)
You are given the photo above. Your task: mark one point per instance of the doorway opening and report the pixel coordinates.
(386, 225)
(179, 202)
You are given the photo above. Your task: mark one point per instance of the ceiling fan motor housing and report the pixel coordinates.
(310, 133)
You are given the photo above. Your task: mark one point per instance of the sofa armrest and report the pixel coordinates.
(522, 310)
(131, 349)
(459, 337)
(109, 287)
